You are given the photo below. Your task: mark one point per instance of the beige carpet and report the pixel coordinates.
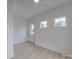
(28, 50)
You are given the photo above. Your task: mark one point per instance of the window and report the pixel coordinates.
(32, 29)
(60, 22)
(43, 24)
(36, 1)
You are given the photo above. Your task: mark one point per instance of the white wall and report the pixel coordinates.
(17, 29)
(57, 39)
(17, 32)
(10, 40)
(20, 30)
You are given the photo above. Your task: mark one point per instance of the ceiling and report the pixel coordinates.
(28, 9)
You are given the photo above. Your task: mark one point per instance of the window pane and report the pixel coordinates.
(60, 22)
(32, 26)
(43, 24)
(32, 29)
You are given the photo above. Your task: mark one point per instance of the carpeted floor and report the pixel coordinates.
(28, 50)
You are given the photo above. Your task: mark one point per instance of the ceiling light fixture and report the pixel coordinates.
(36, 1)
